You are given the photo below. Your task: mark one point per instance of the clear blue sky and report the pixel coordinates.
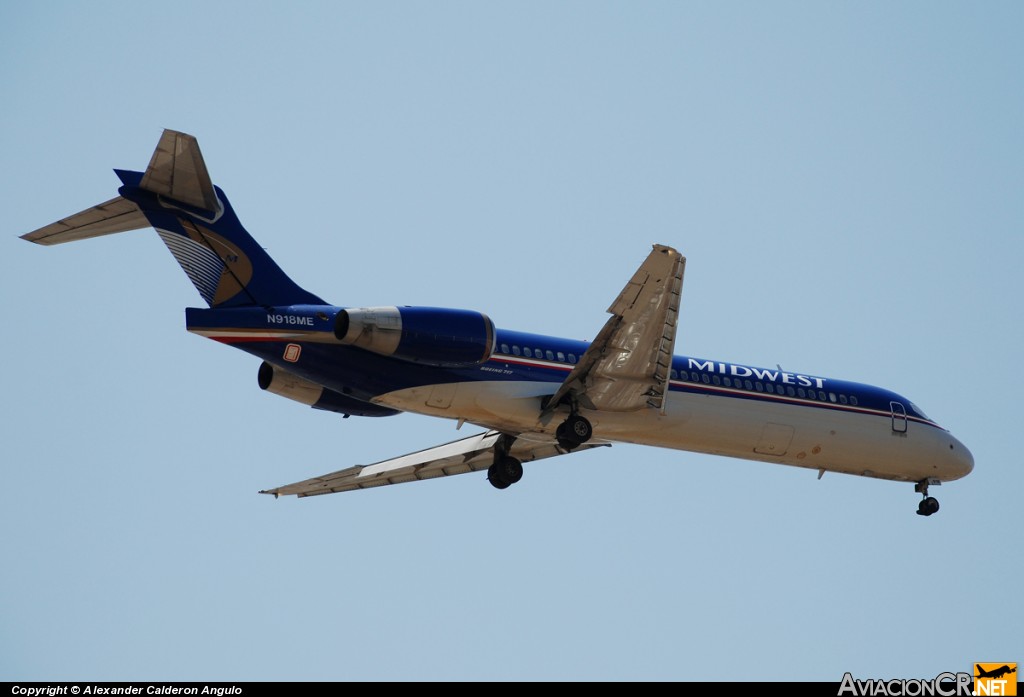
(845, 180)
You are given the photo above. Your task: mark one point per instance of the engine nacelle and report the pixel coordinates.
(428, 335)
(285, 384)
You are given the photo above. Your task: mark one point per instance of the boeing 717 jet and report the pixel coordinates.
(534, 396)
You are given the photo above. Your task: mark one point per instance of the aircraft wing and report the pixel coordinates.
(627, 366)
(458, 457)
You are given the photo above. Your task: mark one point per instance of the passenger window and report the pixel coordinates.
(853, 400)
(515, 350)
(561, 357)
(832, 397)
(800, 391)
(821, 395)
(704, 377)
(790, 391)
(674, 374)
(538, 353)
(727, 381)
(842, 399)
(694, 376)
(715, 379)
(528, 353)
(504, 349)
(749, 385)
(810, 394)
(550, 355)
(759, 387)
(572, 358)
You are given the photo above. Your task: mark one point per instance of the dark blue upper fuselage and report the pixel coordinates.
(522, 356)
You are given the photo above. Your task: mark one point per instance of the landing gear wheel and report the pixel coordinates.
(564, 438)
(579, 427)
(928, 506)
(511, 469)
(573, 432)
(505, 472)
(495, 478)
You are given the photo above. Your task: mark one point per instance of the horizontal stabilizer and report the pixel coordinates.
(116, 215)
(177, 171)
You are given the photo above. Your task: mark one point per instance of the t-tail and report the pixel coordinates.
(194, 219)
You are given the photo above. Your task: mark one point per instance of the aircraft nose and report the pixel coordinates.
(960, 462)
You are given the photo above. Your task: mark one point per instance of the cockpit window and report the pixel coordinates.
(917, 410)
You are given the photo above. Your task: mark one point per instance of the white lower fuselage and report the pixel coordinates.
(823, 437)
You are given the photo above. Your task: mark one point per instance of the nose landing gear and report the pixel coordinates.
(928, 505)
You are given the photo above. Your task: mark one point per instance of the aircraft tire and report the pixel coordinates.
(494, 476)
(511, 469)
(928, 506)
(579, 428)
(566, 439)
(505, 472)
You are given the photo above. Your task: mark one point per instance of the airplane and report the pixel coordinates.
(995, 673)
(536, 396)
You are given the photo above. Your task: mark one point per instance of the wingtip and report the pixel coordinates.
(271, 492)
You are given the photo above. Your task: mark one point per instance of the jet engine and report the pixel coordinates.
(281, 382)
(427, 335)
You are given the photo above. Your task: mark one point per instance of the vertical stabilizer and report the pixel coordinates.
(195, 220)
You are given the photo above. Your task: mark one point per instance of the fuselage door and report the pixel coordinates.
(899, 417)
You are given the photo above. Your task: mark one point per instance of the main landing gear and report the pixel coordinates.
(506, 469)
(928, 505)
(574, 432)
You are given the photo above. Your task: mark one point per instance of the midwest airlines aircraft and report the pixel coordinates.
(537, 396)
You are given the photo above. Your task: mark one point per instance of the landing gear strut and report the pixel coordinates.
(928, 505)
(506, 469)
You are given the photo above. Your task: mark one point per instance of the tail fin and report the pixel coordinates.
(195, 221)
